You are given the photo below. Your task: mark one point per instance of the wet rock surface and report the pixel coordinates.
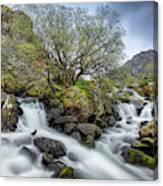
(9, 114)
(52, 147)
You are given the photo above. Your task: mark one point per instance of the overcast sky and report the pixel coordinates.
(136, 18)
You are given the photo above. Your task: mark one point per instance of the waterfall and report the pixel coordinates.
(102, 162)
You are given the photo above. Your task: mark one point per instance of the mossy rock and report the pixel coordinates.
(148, 90)
(138, 157)
(149, 130)
(149, 149)
(149, 141)
(89, 141)
(9, 114)
(67, 172)
(12, 85)
(76, 103)
(40, 89)
(126, 97)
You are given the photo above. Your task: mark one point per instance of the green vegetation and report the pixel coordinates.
(66, 172)
(138, 157)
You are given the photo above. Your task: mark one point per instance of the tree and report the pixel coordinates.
(78, 42)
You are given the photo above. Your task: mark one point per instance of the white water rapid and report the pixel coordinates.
(103, 162)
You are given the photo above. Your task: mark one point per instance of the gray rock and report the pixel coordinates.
(90, 129)
(89, 141)
(9, 114)
(76, 135)
(60, 170)
(115, 114)
(50, 146)
(139, 105)
(111, 121)
(69, 127)
(102, 123)
(65, 119)
(52, 114)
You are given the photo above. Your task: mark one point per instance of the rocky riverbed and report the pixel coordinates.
(57, 145)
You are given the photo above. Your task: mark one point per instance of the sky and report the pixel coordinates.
(136, 18)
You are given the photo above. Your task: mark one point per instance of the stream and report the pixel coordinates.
(102, 162)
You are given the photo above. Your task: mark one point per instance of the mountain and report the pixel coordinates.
(142, 64)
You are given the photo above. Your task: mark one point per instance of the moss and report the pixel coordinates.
(12, 84)
(149, 141)
(138, 157)
(147, 88)
(126, 97)
(76, 103)
(139, 145)
(40, 89)
(85, 86)
(89, 141)
(66, 172)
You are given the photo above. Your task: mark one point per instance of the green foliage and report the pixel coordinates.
(27, 52)
(85, 86)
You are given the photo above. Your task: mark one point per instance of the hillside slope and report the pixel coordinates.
(143, 63)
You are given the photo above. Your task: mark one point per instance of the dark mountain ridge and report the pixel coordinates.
(144, 63)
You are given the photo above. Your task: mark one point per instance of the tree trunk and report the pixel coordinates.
(77, 76)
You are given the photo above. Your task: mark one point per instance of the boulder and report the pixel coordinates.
(77, 103)
(52, 114)
(87, 129)
(147, 90)
(66, 173)
(102, 122)
(149, 130)
(111, 121)
(64, 124)
(60, 169)
(9, 114)
(89, 141)
(50, 146)
(50, 163)
(148, 149)
(139, 105)
(76, 135)
(69, 127)
(65, 119)
(138, 157)
(149, 141)
(115, 113)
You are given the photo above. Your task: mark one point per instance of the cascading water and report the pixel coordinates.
(103, 162)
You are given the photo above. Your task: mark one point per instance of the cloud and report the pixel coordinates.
(137, 19)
